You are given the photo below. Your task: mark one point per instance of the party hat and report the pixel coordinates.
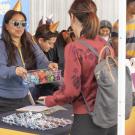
(41, 22)
(49, 19)
(53, 27)
(18, 6)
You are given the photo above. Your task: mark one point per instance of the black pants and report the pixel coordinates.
(43, 90)
(83, 125)
(7, 104)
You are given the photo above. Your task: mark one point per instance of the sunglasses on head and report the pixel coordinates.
(18, 24)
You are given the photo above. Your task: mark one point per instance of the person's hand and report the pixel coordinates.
(53, 66)
(22, 72)
(42, 98)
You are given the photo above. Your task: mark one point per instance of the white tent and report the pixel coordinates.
(107, 9)
(121, 70)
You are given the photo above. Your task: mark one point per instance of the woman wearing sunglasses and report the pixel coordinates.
(17, 55)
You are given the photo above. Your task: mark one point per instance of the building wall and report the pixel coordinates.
(107, 9)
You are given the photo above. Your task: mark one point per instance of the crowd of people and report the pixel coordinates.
(49, 49)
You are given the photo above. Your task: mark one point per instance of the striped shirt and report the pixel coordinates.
(130, 41)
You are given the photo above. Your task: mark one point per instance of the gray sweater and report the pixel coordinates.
(11, 85)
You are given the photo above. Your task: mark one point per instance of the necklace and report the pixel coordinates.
(20, 53)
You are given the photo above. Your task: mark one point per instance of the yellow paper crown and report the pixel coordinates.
(18, 6)
(53, 27)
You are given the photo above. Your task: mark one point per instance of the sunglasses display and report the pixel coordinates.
(18, 24)
(36, 121)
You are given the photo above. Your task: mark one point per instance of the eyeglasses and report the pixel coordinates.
(70, 31)
(18, 24)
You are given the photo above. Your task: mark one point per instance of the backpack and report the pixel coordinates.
(106, 74)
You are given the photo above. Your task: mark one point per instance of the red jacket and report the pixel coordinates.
(80, 63)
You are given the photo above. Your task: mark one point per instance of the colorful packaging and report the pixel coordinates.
(35, 77)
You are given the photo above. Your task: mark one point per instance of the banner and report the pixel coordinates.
(6, 5)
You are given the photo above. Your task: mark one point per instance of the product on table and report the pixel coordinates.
(38, 121)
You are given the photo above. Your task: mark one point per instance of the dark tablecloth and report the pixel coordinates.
(57, 131)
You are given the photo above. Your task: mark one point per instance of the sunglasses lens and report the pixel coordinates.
(19, 23)
(24, 24)
(16, 24)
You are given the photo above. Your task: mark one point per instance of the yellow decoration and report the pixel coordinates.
(53, 27)
(18, 6)
(4, 131)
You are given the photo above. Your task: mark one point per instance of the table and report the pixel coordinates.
(58, 131)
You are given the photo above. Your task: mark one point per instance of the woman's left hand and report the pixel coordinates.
(53, 66)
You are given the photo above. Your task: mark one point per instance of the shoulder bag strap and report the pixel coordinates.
(90, 47)
(82, 42)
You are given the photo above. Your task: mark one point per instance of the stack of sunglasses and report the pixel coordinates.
(38, 121)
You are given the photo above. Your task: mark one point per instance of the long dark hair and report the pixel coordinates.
(27, 52)
(85, 12)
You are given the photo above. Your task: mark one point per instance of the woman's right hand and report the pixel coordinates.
(53, 66)
(22, 72)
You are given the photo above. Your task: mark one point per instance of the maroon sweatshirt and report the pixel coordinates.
(80, 63)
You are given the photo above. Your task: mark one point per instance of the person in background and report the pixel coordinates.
(105, 30)
(45, 37)
(130, 35)
(115, 47)
(69, 35)
(114, 38)
(79, 75)
(18, 54)
(64, 37)
(52, 42)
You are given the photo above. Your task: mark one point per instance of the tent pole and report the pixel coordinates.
(121, 65)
